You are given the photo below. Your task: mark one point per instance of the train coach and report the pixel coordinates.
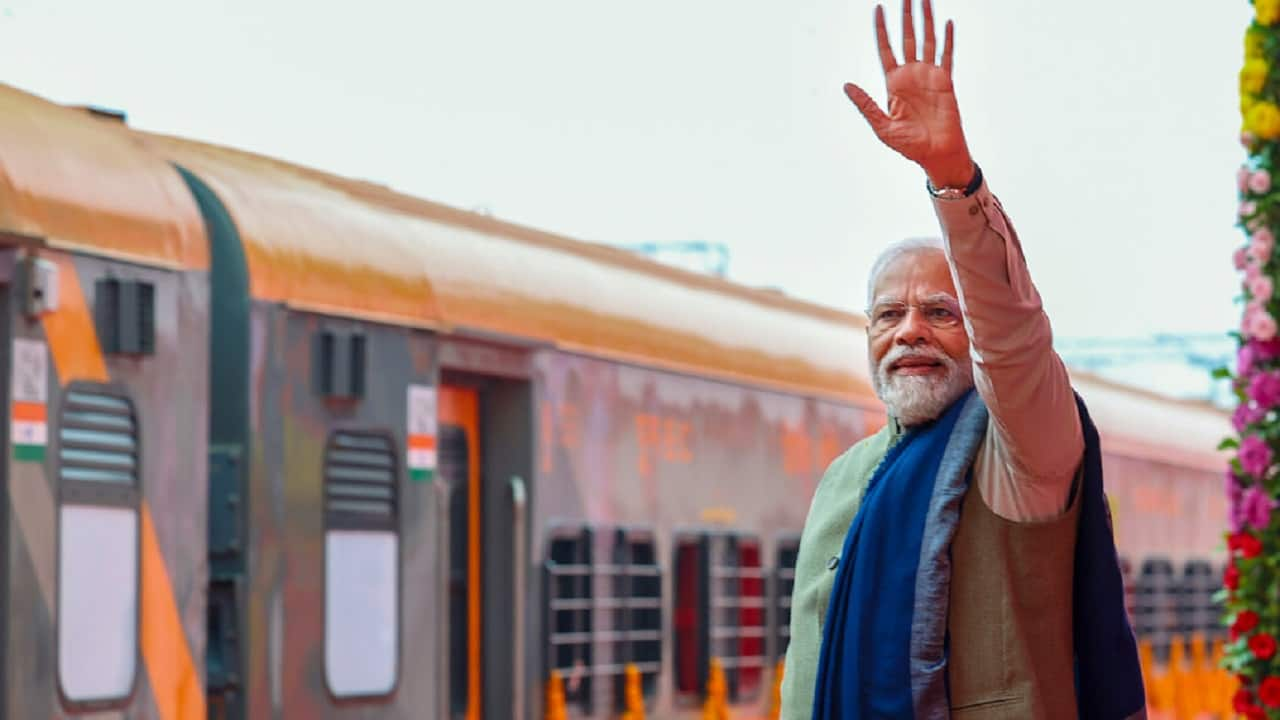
(285, 444)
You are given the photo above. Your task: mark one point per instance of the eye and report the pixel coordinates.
(889, 314)
(942, 316)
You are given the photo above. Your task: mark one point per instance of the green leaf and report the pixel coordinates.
(1229, 444)
(1221, 373)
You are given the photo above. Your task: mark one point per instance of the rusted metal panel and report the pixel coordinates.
(285, 600)
(168, 392)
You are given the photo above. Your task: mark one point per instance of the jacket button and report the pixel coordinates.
(832, 563)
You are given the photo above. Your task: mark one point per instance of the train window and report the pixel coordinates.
(1155, 604)
(98, 516)
(635, 609)
(690, 617)
(719, 613)
(362, 565)
(784, 582)
(570, 600)
(1198, 612)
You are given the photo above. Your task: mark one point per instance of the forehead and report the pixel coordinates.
(913, 274)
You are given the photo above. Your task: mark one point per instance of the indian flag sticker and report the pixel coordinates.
(30, 431)
(29, 426)
(421, 454)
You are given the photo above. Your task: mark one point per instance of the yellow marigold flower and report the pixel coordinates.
(1253, 76)
(1267, 11)
(1246, 104)
(1264, 121)
(1254, 42)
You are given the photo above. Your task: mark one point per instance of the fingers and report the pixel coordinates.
(948, 44)
(887, 60)
(908, 34)
(872, 112)
(930, 44)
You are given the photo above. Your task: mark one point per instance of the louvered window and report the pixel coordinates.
(360, 482)
(362, 565)
(98, 489)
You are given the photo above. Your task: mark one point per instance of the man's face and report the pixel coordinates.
(918, 346)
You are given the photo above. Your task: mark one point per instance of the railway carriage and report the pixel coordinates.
(285, 444)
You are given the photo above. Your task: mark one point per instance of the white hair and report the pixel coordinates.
(893, 251)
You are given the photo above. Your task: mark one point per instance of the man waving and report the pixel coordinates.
(960, 561)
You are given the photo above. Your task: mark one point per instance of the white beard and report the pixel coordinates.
(916, 399)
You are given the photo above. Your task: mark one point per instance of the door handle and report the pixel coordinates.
(519, 518)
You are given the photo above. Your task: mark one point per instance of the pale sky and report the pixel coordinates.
(1109, 130)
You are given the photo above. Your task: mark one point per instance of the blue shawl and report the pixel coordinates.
(884, 642)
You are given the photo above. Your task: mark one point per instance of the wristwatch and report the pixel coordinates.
(957, 193)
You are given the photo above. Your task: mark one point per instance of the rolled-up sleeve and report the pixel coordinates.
(1031, 455)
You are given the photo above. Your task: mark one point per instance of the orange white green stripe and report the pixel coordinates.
(420, 455)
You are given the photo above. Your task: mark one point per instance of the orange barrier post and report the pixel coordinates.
(633, 694)
(775, 695)
(556, 709)
(716, 706)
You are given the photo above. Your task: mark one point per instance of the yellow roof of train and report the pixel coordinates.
(68, 180)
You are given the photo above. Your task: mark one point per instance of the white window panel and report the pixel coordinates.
(97, 601)
(361, 611)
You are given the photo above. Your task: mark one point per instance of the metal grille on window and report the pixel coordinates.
(784, 582)
(634, 609)
(1198, 612)
(570, 605)
(98, 449)
(360, 482)
(737, 606)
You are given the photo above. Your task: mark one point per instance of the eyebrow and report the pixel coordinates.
(940, 298)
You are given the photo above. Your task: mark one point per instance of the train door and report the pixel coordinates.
(485, 451)
(459, 464)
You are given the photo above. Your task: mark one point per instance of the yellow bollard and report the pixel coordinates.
(556, 709)
(716, 706)
(633, 694)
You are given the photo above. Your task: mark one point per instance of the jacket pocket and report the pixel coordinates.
(1001, 707)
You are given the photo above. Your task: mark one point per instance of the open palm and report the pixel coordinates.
(923, 118)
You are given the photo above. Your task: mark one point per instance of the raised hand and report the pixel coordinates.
(923, 122)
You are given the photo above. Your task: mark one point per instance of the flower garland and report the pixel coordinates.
(1251, 580)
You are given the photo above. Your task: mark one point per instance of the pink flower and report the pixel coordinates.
(1234, 493)
(1264, 390)
(1260, 182)
(1242, 178)
(1255, 456)
(1240, 258)
(1257, 322)
(1248, 209)
(1261, 245)
(1261, 288)
(1246, 356)
(1246, 414)
(1256, 507)
(1266, 350)
(1264, 326)
(1251, 271)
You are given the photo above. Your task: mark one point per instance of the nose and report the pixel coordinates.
(913, 330)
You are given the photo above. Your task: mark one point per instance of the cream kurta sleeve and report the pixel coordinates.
(1034, 445)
